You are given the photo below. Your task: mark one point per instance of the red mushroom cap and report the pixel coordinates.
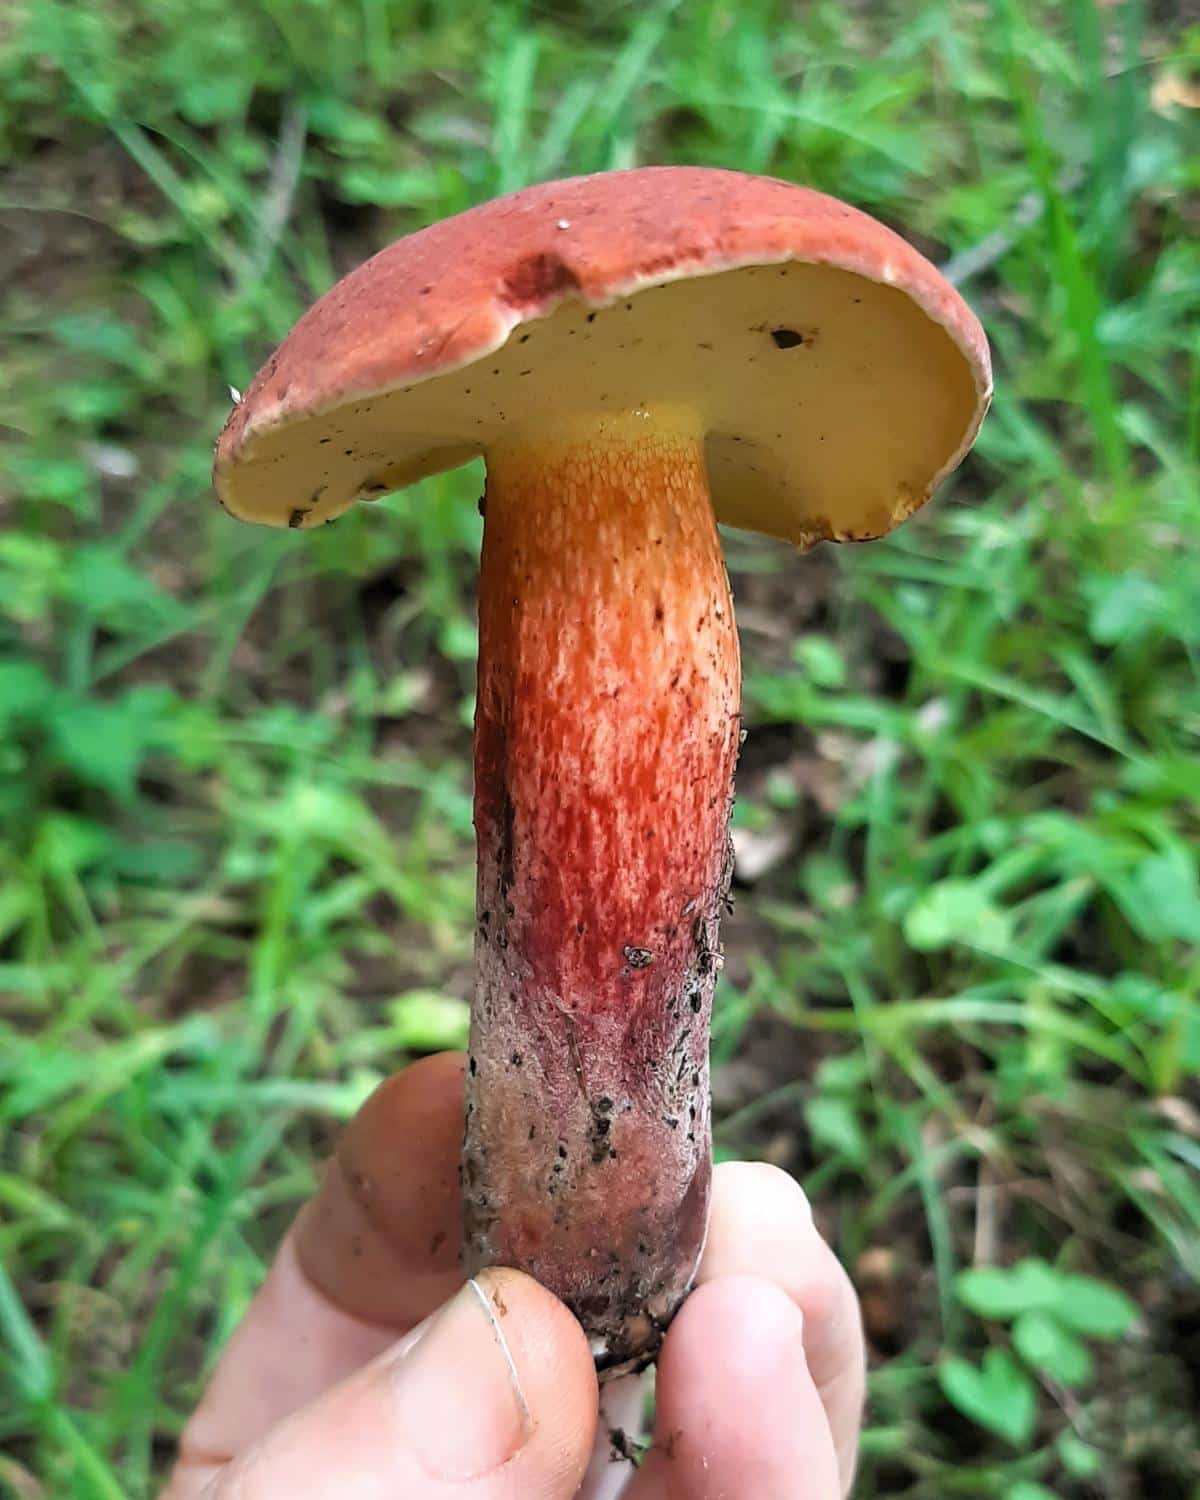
(836, 375)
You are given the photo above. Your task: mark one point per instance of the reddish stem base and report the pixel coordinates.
(606, 735)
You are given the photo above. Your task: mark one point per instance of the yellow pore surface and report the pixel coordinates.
(829, 405)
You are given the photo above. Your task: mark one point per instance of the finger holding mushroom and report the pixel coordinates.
(637, 356)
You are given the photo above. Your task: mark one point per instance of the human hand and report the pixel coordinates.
(343, 1380)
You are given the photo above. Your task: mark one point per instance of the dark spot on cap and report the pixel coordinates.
(539, 277)
(786, 338)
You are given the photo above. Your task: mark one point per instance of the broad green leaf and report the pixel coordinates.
(822, 662)
(314, 810)
(1004, 1292)
(59, 481)
(1169, 886)
(956, 911)
(1136, 995)
(102, 743)
(1123, 608)
(459, 639)
(1094, 1308)
(1079, 1459)
(24, 690)
(998, 1395)
(1028, 1489)
(387, 189)
(842, 1073)
(428, 1021)
(1044, 1343)
(40, 1076)
(31, 569)
(67, 843)
(115, 593)
(342, 121)
(835, 1126)
(212, 97)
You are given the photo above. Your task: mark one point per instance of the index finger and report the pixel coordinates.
(374, 1252)
(762, 1225)
(383, 1236)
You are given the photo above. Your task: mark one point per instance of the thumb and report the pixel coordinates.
(493, 1396)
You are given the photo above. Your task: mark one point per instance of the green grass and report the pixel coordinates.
(235, 842)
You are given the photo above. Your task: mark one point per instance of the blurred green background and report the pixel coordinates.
(235, 834)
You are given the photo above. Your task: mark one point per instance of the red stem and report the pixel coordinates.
(606, 736)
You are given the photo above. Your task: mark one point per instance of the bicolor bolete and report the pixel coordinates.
(637, 356)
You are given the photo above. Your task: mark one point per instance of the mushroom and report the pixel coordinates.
(637, 356)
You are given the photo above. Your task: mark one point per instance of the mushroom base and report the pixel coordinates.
(606, 735)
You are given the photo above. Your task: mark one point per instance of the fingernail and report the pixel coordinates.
(461, 1407)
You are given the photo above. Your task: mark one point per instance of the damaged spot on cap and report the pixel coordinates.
(538, 279)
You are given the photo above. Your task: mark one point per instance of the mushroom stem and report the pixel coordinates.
(606, 735)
